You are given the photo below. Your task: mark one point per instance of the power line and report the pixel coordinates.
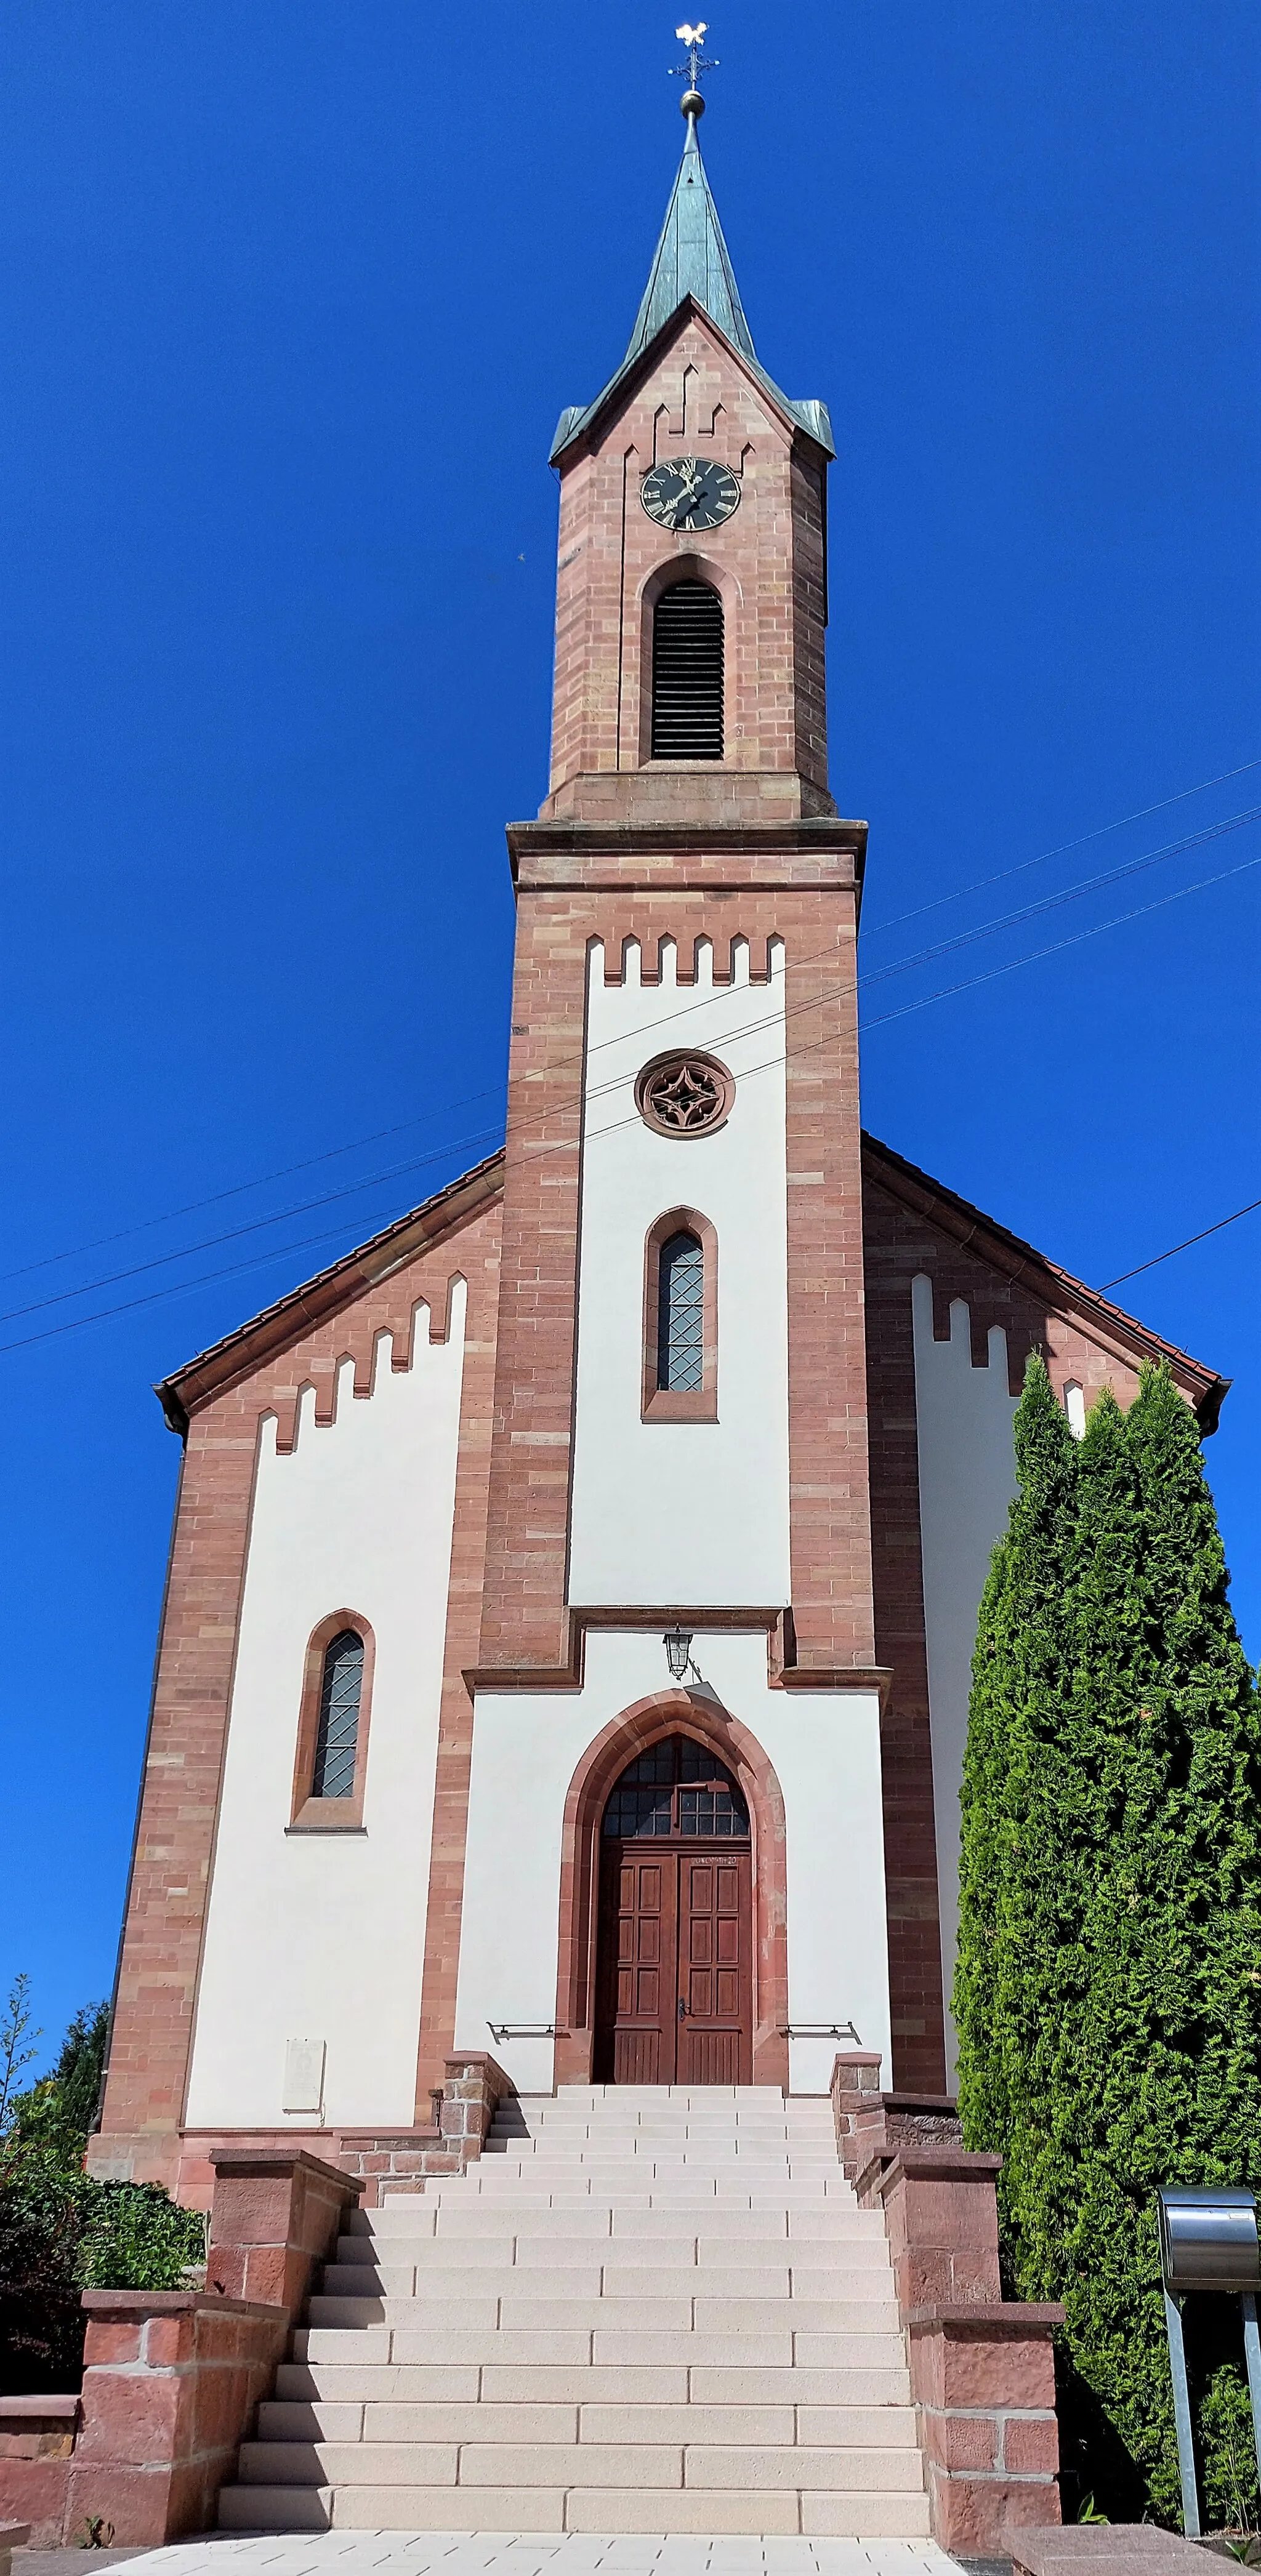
(333, 1153)
(1073, 941)
(256, 1225)
(1184, 1246)
(281, 1252)
(1067, 894)
(962, 939)
(1061, 849)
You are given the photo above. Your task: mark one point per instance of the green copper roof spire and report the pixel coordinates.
(692, 260)
(692, 257)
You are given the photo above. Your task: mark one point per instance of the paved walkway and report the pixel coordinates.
(445, 2553)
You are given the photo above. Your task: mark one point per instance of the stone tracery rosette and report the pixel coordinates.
(684, 1093)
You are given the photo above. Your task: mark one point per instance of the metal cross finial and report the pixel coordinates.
(691, 70)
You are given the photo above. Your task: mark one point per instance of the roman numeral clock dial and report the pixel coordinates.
(692, 493)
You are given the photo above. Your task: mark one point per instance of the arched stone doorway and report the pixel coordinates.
(674, 1931)
(695, 1909)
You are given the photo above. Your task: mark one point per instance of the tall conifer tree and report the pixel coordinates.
(1170, 2064)
(1016, 1878)
(1134, 2057)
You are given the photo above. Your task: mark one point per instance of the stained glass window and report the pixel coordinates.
(681, 1315)
(337, 1737)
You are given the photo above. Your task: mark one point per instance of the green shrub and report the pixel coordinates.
(60, 2231)
(1231, 2500)
(135, 2237)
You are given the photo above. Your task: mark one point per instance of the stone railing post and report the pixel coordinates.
(276, 2214)
(855, 2081)
(982, 2368)
(474, 2084)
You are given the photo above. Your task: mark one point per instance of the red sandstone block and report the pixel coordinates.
(961, 2442)
(251, 2209)
(106, 2341)
(136, 2501)
(34, 2492)
(969, 2515)
(1030, 2443)
(132, 2416)
(274, 2274)
(1003, 2370)
(169, 2339)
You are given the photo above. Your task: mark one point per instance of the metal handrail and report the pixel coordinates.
(819, 2030)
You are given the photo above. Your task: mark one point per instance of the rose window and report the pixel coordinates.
(684, 1095)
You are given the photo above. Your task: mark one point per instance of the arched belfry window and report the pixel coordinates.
(330, 1766)
(681, 1315)
(681, 1319)
(337, 1735)
(687, 673)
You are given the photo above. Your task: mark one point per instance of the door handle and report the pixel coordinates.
(682, 2009)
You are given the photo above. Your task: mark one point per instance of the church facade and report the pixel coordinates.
(567, 1631)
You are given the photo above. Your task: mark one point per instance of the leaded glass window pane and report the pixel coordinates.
(681, 1315)
(337, 1737)
(677, 1788)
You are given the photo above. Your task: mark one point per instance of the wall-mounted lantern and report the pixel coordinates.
(678, 1646)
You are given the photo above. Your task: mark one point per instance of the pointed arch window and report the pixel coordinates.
(681, 1314)
(337, 1735)
(331, 1763)
(680, 1382)
(687, 673)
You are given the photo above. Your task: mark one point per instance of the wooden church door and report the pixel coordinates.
(674, 1979)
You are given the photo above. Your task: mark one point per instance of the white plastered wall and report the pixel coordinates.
(683, 1511)
(825, 1749)
(320, 1936)
(967, 1477)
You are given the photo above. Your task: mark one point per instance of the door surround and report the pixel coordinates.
(670, 1712)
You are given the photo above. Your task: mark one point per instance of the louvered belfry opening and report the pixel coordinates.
(687, 673)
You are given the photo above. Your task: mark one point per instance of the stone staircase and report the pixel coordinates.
(644, 2310)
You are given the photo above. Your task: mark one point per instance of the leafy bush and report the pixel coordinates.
(1232, 2501)
(135, 2237)
(60, 2231)
(41, 2318)
(1108, 1997)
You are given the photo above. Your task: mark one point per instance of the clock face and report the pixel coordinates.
(692, 493)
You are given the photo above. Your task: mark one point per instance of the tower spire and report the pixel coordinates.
(691, 257)
(691, 260)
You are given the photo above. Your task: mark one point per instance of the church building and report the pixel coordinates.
(566, 1641)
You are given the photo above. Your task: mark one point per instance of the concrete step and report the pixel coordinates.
(514, 2314)
(854, 2515)
(635, 2272)
(461, 2347)
(589, 2383)
(723, 2467)
(283, 2421)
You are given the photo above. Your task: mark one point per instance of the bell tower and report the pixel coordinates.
(691, 466)
(688, 884)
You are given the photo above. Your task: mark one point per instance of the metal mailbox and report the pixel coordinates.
(1208, 2240)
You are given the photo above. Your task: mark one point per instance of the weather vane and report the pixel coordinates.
(692, 102)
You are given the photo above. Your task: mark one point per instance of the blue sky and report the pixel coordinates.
(292, 296)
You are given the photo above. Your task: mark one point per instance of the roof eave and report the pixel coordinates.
(187, 1389)
(1009, 1252)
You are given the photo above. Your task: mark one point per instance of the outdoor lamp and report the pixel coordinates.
(678, 1646)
